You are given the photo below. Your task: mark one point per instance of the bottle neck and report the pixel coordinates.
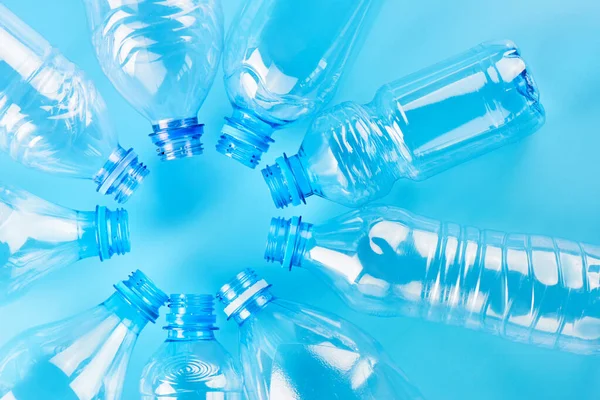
(191, 317)
(245, 137)
(127, 312)
(288, 241)
(178, 138)
(288, 181)
(103, 233)
(245, 296)
(121, 174)
(137, 299)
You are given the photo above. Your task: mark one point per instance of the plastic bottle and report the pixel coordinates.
(414, 128)
(53, 119)
(38, 237)
(162, 56)
(283, 60)
(386, 261)
(191, 364)
(291, 351)
(84, 357)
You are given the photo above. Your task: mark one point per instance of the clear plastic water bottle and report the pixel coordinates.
(387, 262)
(53, 119)
(191, 364)
(38, 237)
(283, 60)
(84, 357)
(291, 351)
(414, 128)
(162, 56)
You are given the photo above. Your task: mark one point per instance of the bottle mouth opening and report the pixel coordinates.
(242, 143)
(121, 175)
(177, 139)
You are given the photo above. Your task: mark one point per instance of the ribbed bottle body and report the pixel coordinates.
(422, 124)
(537, 289)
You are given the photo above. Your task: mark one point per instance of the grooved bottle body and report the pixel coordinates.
(162, 57)
(51, 117)
(414, 128)
(387, 261)
(38, 237)
(282, 62)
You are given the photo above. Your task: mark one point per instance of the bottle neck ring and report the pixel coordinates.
(112, 232)
(121, 175)
(288, 241)
(139, 291)
(244, 296)
(288, 182)
(244, 138)
(176, 139)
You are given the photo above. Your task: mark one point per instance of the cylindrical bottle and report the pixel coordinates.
(414, 128)
(191, 364)
(386, 261)
(162, 56)
(38, 237)
(283, 60)
(83, 357)
(292, 351)
(53, 119)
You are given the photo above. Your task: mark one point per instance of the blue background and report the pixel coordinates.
(197, 222)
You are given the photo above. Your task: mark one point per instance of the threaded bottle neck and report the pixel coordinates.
(121, 175)
(288, 181)
(178, 138)
(112, 232)
(244, 295)
(139, 291)
(287, 241)
(245, 137)
(191, 317)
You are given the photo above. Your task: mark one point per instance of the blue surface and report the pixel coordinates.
(197, 222)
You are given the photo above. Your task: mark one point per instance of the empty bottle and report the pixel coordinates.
(283, 60)
(291, 351)
(38, 237)
(386, 261)
(162, 56)
(53, 119)
(191, 364)
(84, 357)
(414, 128)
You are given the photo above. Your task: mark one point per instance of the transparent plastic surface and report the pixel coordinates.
(191, 364)
(414, 128)
(282, 62)
(162, 56)
(38, 237)
(291, 351)
(84, 357)
(386, 261)
(52, 118)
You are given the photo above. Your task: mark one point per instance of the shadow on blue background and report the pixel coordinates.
(197, 222)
